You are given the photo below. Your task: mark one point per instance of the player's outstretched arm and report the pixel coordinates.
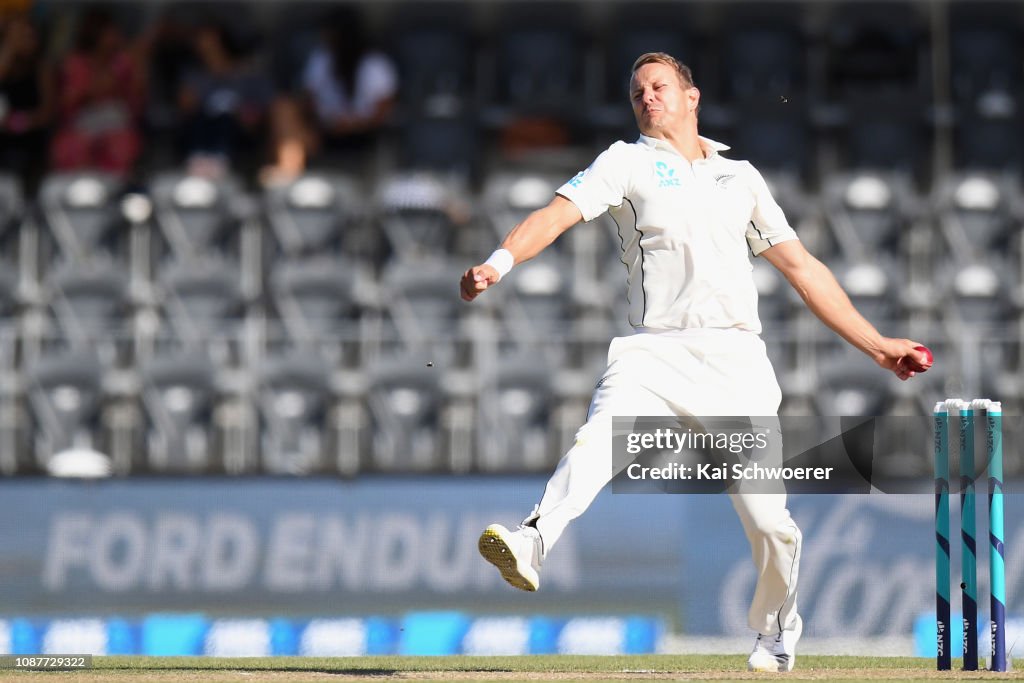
(526, 240)
(825, 297)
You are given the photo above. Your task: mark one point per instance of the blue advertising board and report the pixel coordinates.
(306, 546)
(303, 549)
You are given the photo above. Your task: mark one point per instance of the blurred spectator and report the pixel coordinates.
(101, 94)
(224, 101)
(347, 94)
(26, 100)
(171, 57)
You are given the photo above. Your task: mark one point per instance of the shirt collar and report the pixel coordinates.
(711, 147)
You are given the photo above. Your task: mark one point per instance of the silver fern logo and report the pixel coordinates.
(723, 179)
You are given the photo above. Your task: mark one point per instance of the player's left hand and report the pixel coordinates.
(902, 357)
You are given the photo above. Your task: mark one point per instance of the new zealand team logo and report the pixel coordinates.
(723, 179)
(666, 175)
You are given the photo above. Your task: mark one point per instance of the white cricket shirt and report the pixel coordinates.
(685, 230)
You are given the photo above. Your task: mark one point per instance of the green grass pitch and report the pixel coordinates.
(527, 668)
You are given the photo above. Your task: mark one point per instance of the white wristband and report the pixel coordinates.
(502, 261)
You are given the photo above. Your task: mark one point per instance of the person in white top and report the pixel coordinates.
(347, 94)
(687, 217)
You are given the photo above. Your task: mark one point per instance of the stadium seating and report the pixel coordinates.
(12, 213)
(978, 214)
(635, 29)
(203, 306)
(179, 393)
(187, 324)
(433, 49)
(517, 420)
(405, 403)
(420, 311)
(764, 56)
(319, 306)
(91, 307)
(295, 398)
(65, 392)
(985, 43)
(539, 63)
(869, 212)
(196, 215)
(314, 215)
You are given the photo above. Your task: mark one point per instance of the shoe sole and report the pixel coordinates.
(494, 549)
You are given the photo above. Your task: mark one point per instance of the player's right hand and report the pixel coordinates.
(476, 280)
(903, 357)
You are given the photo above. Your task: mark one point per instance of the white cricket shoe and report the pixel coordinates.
(776, 652)
(517, 554)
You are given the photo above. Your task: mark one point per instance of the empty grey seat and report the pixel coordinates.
(420, 307)
(982, 293)
(414, 211)
(314, 215)
(538, 304)
(204, 305)
(92, 308)
(774, 139)
(985, 46)
(83, 218)
(405, 401)
(874, 286)
(441, 144)
(539, 59)
(977, 213)
(435, 64)
(892, 135)
(764, 53)
(516, 419)
(12, 213)
(66, 398)
(295, 400)
(869, 212)
(9, 297)
(179, 394)
(876, 57)
(877, 48)
(319, 303)
(987, 87)
(197, 215)
(852, 385)
(989, 144)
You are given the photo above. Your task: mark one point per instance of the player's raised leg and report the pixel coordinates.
(581, 473)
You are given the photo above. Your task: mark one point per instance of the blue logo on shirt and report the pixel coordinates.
(666, 174)
(577, 179)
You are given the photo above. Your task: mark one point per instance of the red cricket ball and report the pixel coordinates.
(920, 367)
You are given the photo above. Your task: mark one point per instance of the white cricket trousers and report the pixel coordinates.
(704, 372)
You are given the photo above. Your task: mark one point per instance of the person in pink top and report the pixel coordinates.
(101, 94)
